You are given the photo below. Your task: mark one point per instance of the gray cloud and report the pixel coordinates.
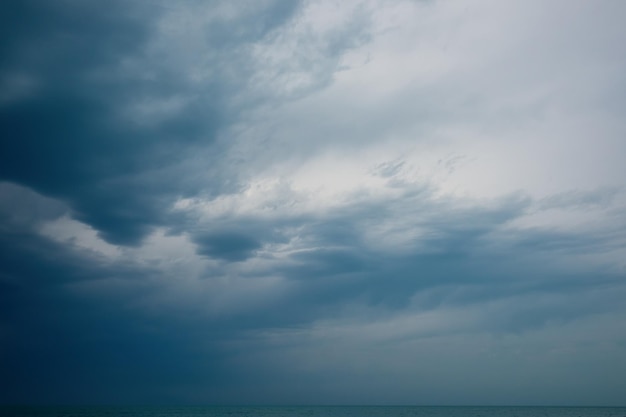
(71, 138)
(230, 246)
(308, 202)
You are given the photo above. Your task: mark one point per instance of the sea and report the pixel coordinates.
(309, 411)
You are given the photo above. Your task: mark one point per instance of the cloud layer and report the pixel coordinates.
(312, 202)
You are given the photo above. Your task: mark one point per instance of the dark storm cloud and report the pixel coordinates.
(231, 246)
(340, 265)
(62, 139)
(463, 248)
(110, 113)
(65, 134)
(62, 342)
(68, 135)
(130, 353)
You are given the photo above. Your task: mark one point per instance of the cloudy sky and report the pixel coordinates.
(320, 202)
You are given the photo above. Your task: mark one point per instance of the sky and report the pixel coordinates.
(313, 202)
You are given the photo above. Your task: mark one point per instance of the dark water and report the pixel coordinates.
(345, 411)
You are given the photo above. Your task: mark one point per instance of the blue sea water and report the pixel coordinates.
(311, 411)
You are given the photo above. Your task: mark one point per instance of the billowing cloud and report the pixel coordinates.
(312, 202)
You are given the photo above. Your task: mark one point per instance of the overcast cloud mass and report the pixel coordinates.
(316, 202)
